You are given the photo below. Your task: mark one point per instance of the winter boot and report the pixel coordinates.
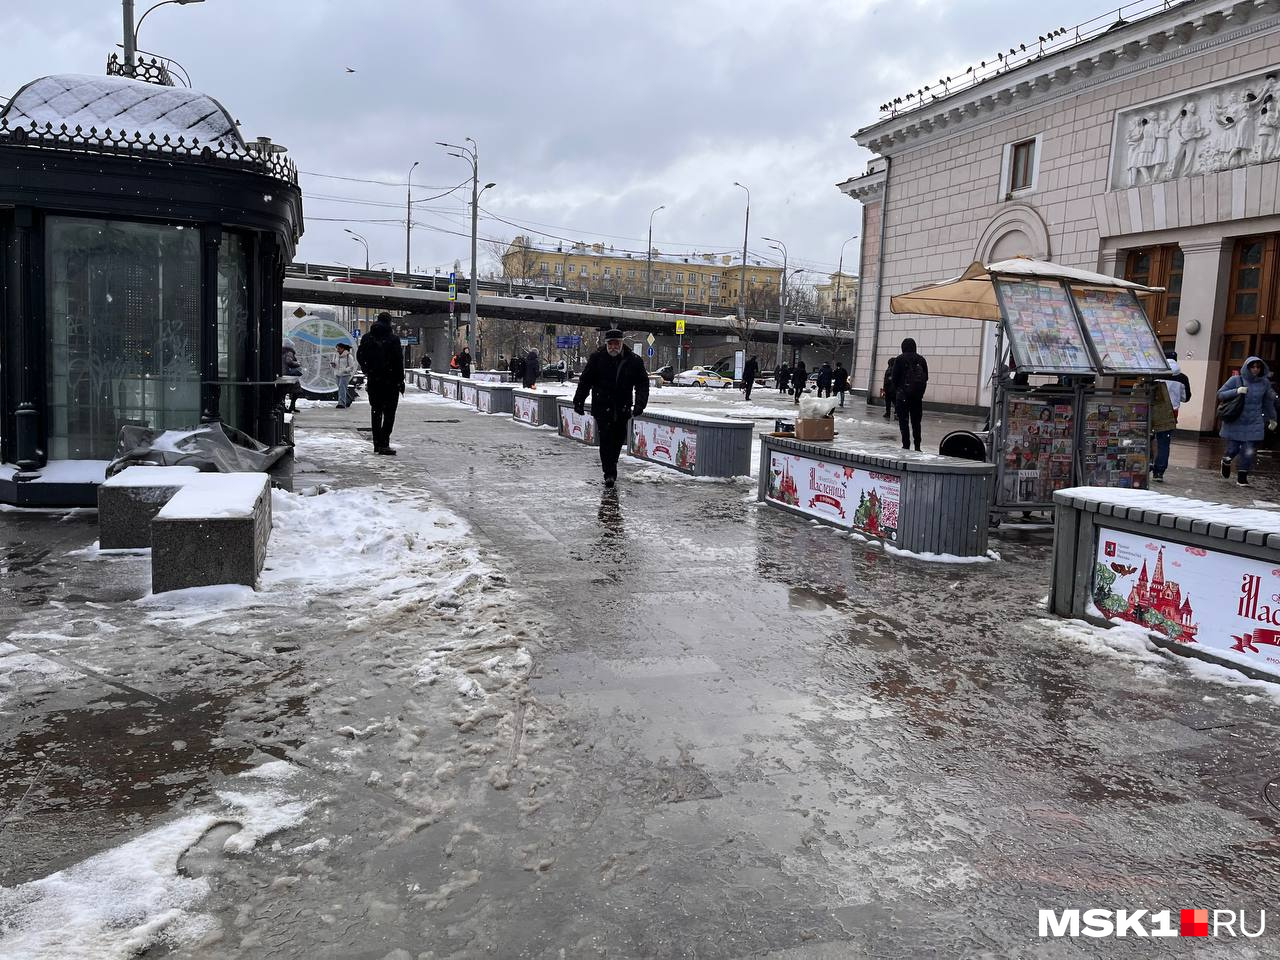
(1242, 478)
(1226, 469)
(917, 446)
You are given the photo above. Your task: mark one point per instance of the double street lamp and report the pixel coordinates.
(648, 273)
(356, 236)
(472, 154)
(408, 215)
(782, 293)
(840, 275)
(742, 280)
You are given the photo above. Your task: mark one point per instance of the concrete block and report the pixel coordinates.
(129, 501)
(213, 531)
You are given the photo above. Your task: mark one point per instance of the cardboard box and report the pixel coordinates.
(823, 429)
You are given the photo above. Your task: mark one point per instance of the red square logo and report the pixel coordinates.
(1194, 923)
(1110, 548)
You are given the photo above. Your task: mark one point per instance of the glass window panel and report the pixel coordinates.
(1246, 303)
(233, 329)
(1173, 307)
(123, 304)
(1119, 330)
(1043, 332)
(1251, 252)
(1237, 350)
(1248, 278)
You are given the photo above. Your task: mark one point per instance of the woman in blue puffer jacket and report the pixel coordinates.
(1258, 416)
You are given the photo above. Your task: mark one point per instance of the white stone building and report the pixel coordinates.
(1148, 149)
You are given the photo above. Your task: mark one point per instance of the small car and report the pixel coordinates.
(702, 377)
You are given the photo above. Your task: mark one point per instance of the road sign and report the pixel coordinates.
(651, 343)
(679, 327)
(651, 353)
(564, 342)
(355, 333)
(453, 286)
(299, 313)
(410, 339)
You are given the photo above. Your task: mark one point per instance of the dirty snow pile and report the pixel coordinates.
(120, 903)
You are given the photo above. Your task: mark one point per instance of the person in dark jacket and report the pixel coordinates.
(910, 380)
(291, 368)
(464, 363)
(532, 369)
(784, 378)
(750, 370)
(840, 381)
(824, 380)
(618, 385)
(886, 389)
(1258, 415)
(381, 357)
(799, 376)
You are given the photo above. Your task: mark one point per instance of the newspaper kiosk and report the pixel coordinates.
(1075, 326)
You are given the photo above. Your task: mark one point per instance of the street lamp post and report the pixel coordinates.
(471, 154)
(131, 29)
(408, 215)
(782, 294)
(648, 253)
(840, 275)
(742, 279)
(361, 239)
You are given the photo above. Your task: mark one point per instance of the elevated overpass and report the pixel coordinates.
(502, 306)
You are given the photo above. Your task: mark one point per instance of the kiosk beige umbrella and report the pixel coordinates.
(973, 295)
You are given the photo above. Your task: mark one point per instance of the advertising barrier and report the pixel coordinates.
(665, 443)
(862, 500)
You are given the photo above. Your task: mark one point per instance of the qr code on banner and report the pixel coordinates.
(889, 514)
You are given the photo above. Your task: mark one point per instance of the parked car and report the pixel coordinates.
(702, 377)
(667, 373)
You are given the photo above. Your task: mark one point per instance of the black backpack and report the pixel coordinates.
(910, 378)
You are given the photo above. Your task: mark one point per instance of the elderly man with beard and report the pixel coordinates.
(619, 387)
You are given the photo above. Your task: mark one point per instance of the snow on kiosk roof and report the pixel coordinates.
(973, 294)
(122, 105)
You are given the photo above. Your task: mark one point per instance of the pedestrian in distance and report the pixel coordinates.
(532, 370)
(381, 357)
(886, 389)
(344, 367)
(824, 380)
(618, 384)
(517, 368)
(910, 380)
(799, 377)
(840, 381)
(1170, 392)
(464, 363)
(426, 362)
(784, 378)
(1257, 414)
(290, 366)
(750, 370)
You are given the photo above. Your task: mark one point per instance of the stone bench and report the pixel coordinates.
(129, 501)
(575, 426)
(694, 444)
(214, 530)
(921, 502)
(537, 408)
(1201, 577)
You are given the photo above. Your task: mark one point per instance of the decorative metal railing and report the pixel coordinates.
(120, 143)
(148, 71)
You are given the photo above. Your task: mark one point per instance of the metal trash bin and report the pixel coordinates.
(964, 445)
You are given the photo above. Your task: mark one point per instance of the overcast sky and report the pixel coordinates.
(588, 114)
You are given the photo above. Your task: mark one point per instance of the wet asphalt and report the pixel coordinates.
(744, 735)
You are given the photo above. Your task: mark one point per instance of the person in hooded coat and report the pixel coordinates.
(464, 363)
(784, 378)
(619, 387)
(824, 380)
(886, 389)
(381, 357)
(1257, 417)
(750, 370)
(532, 369)
(799, 377)
(840, 381)
(910, 377)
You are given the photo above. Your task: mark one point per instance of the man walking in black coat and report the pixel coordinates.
(619, 387)
(840, 381)
(799, 377)
(464, 363)
(381, 357)
(910, 379)
(531, 370)
(749, 373)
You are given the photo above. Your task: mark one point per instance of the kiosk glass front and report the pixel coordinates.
(1115, 445)
(1036, 447)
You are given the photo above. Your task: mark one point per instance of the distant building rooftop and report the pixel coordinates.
(121, 104)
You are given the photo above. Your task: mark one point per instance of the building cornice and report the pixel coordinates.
(1139, 46)
(867, 188)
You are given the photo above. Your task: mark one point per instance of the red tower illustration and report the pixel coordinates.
(1151, 602)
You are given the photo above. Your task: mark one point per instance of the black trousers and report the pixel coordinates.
(612, 434)
(383, 400)
(910, 412)
(746, 388)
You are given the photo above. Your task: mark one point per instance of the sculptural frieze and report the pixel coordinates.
(1226, 126)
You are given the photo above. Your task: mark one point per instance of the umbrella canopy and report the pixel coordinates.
(973, 295)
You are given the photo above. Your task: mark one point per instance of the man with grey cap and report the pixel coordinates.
(619, 387)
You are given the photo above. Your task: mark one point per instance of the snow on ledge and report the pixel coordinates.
(1266, 521)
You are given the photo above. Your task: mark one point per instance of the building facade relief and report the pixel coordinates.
(1226, 126)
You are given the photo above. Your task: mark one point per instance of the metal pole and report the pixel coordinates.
(648, 255)
(475, 219)
(408, 216)
(782, 300)
(130, 48)
(742, 280)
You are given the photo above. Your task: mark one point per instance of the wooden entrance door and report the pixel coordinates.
(1253, 311)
